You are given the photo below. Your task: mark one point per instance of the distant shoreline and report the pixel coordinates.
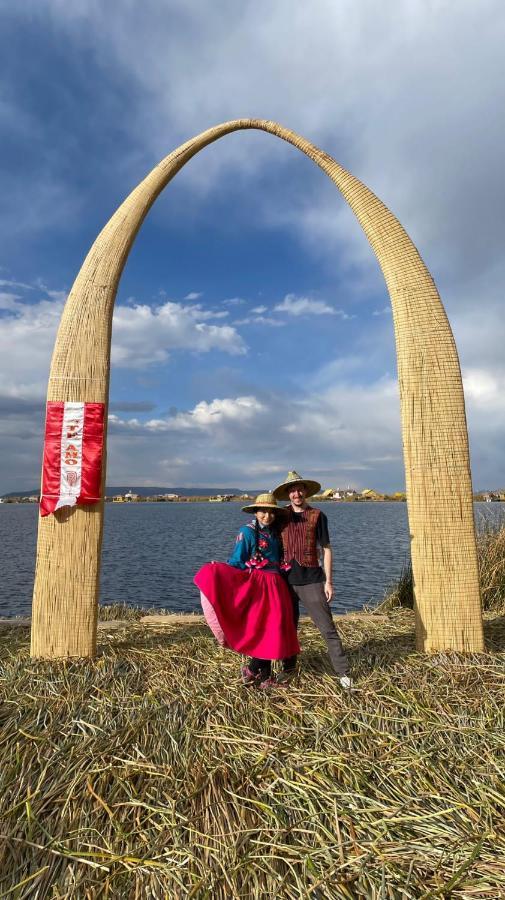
(387, 498)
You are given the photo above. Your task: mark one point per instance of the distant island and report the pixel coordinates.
(143, 492)
(155, 494)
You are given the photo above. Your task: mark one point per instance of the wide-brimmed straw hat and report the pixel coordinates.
(281, 492)
(263, 501)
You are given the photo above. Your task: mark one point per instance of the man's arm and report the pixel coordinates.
(327, 564)
(323, 539)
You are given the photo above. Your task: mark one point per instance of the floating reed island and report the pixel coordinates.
(151, 772)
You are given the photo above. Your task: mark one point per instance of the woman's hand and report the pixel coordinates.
(328, 590)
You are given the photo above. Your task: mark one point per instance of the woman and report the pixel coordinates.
(246, 601)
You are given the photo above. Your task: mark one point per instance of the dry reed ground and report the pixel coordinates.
(152, 772)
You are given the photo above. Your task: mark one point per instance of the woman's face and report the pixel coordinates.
(265, 516)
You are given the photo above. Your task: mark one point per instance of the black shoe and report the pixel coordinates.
(285, 677)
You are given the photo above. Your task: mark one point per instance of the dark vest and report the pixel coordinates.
(299, 540)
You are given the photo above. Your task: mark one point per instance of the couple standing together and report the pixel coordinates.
(251, 603)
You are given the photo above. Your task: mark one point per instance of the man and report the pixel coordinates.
(303, 531)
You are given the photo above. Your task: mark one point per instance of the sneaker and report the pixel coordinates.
(268, 683)
(248, 676)
(285, 676)
(346, 682)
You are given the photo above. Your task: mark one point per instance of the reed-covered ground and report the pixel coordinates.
(151, 772)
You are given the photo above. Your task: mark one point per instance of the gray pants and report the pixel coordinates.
(314, 600)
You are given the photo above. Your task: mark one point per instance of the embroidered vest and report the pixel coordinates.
(299, 538)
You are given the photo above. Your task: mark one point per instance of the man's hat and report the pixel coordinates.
(263, 501)
(281, 492)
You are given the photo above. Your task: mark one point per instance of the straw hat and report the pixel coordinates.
(263, 501)
(281, 492)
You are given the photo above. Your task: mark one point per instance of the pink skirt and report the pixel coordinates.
(249, 611)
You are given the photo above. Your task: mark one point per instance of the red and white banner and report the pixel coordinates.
(73, 451)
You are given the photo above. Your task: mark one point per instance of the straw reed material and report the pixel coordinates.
(153, 773)
(439, 490)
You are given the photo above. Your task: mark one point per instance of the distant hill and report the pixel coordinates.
(150, 491)
(33, 493)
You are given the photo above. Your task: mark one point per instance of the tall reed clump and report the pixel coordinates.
(151, 772)
(491, 555)
(491, 550)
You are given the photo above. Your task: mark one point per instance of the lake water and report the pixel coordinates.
(151, 551)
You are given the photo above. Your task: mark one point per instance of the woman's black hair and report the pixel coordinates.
(256, 533)
(274, 528)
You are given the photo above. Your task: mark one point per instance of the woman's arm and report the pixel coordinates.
(242, 550)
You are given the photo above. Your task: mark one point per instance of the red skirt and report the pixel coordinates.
(248, 610)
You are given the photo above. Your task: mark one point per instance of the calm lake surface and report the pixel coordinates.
(152, 550)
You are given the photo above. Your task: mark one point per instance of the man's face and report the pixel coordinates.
(297, 494)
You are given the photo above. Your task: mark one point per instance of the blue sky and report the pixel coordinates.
(252, 331)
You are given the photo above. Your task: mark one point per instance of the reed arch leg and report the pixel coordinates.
(435, 442)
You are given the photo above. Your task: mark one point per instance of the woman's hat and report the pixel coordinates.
(263, 501)
(281, 492)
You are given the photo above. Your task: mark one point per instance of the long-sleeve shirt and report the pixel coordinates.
(245, 547)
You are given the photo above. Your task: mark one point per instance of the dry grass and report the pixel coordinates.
(153, 773)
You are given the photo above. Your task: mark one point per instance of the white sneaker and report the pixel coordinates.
(346, 682)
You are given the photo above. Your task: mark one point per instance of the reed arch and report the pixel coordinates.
(435, 441)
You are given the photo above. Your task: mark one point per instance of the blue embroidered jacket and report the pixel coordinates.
(268, 546)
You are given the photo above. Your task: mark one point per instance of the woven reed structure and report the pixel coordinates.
(439, 489)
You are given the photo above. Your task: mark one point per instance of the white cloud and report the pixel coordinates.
(259, 320)
(267, 320)
(15, 284)
(234, 301)
(142, 335)
(400, 94)
(483, 387)
(304, 306)
(9, 302)
(204, 416)
(266, 468)
(194, 295)
(348, 429)
(26, 341)
(259, 310)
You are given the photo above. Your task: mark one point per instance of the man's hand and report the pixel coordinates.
(328, 590)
